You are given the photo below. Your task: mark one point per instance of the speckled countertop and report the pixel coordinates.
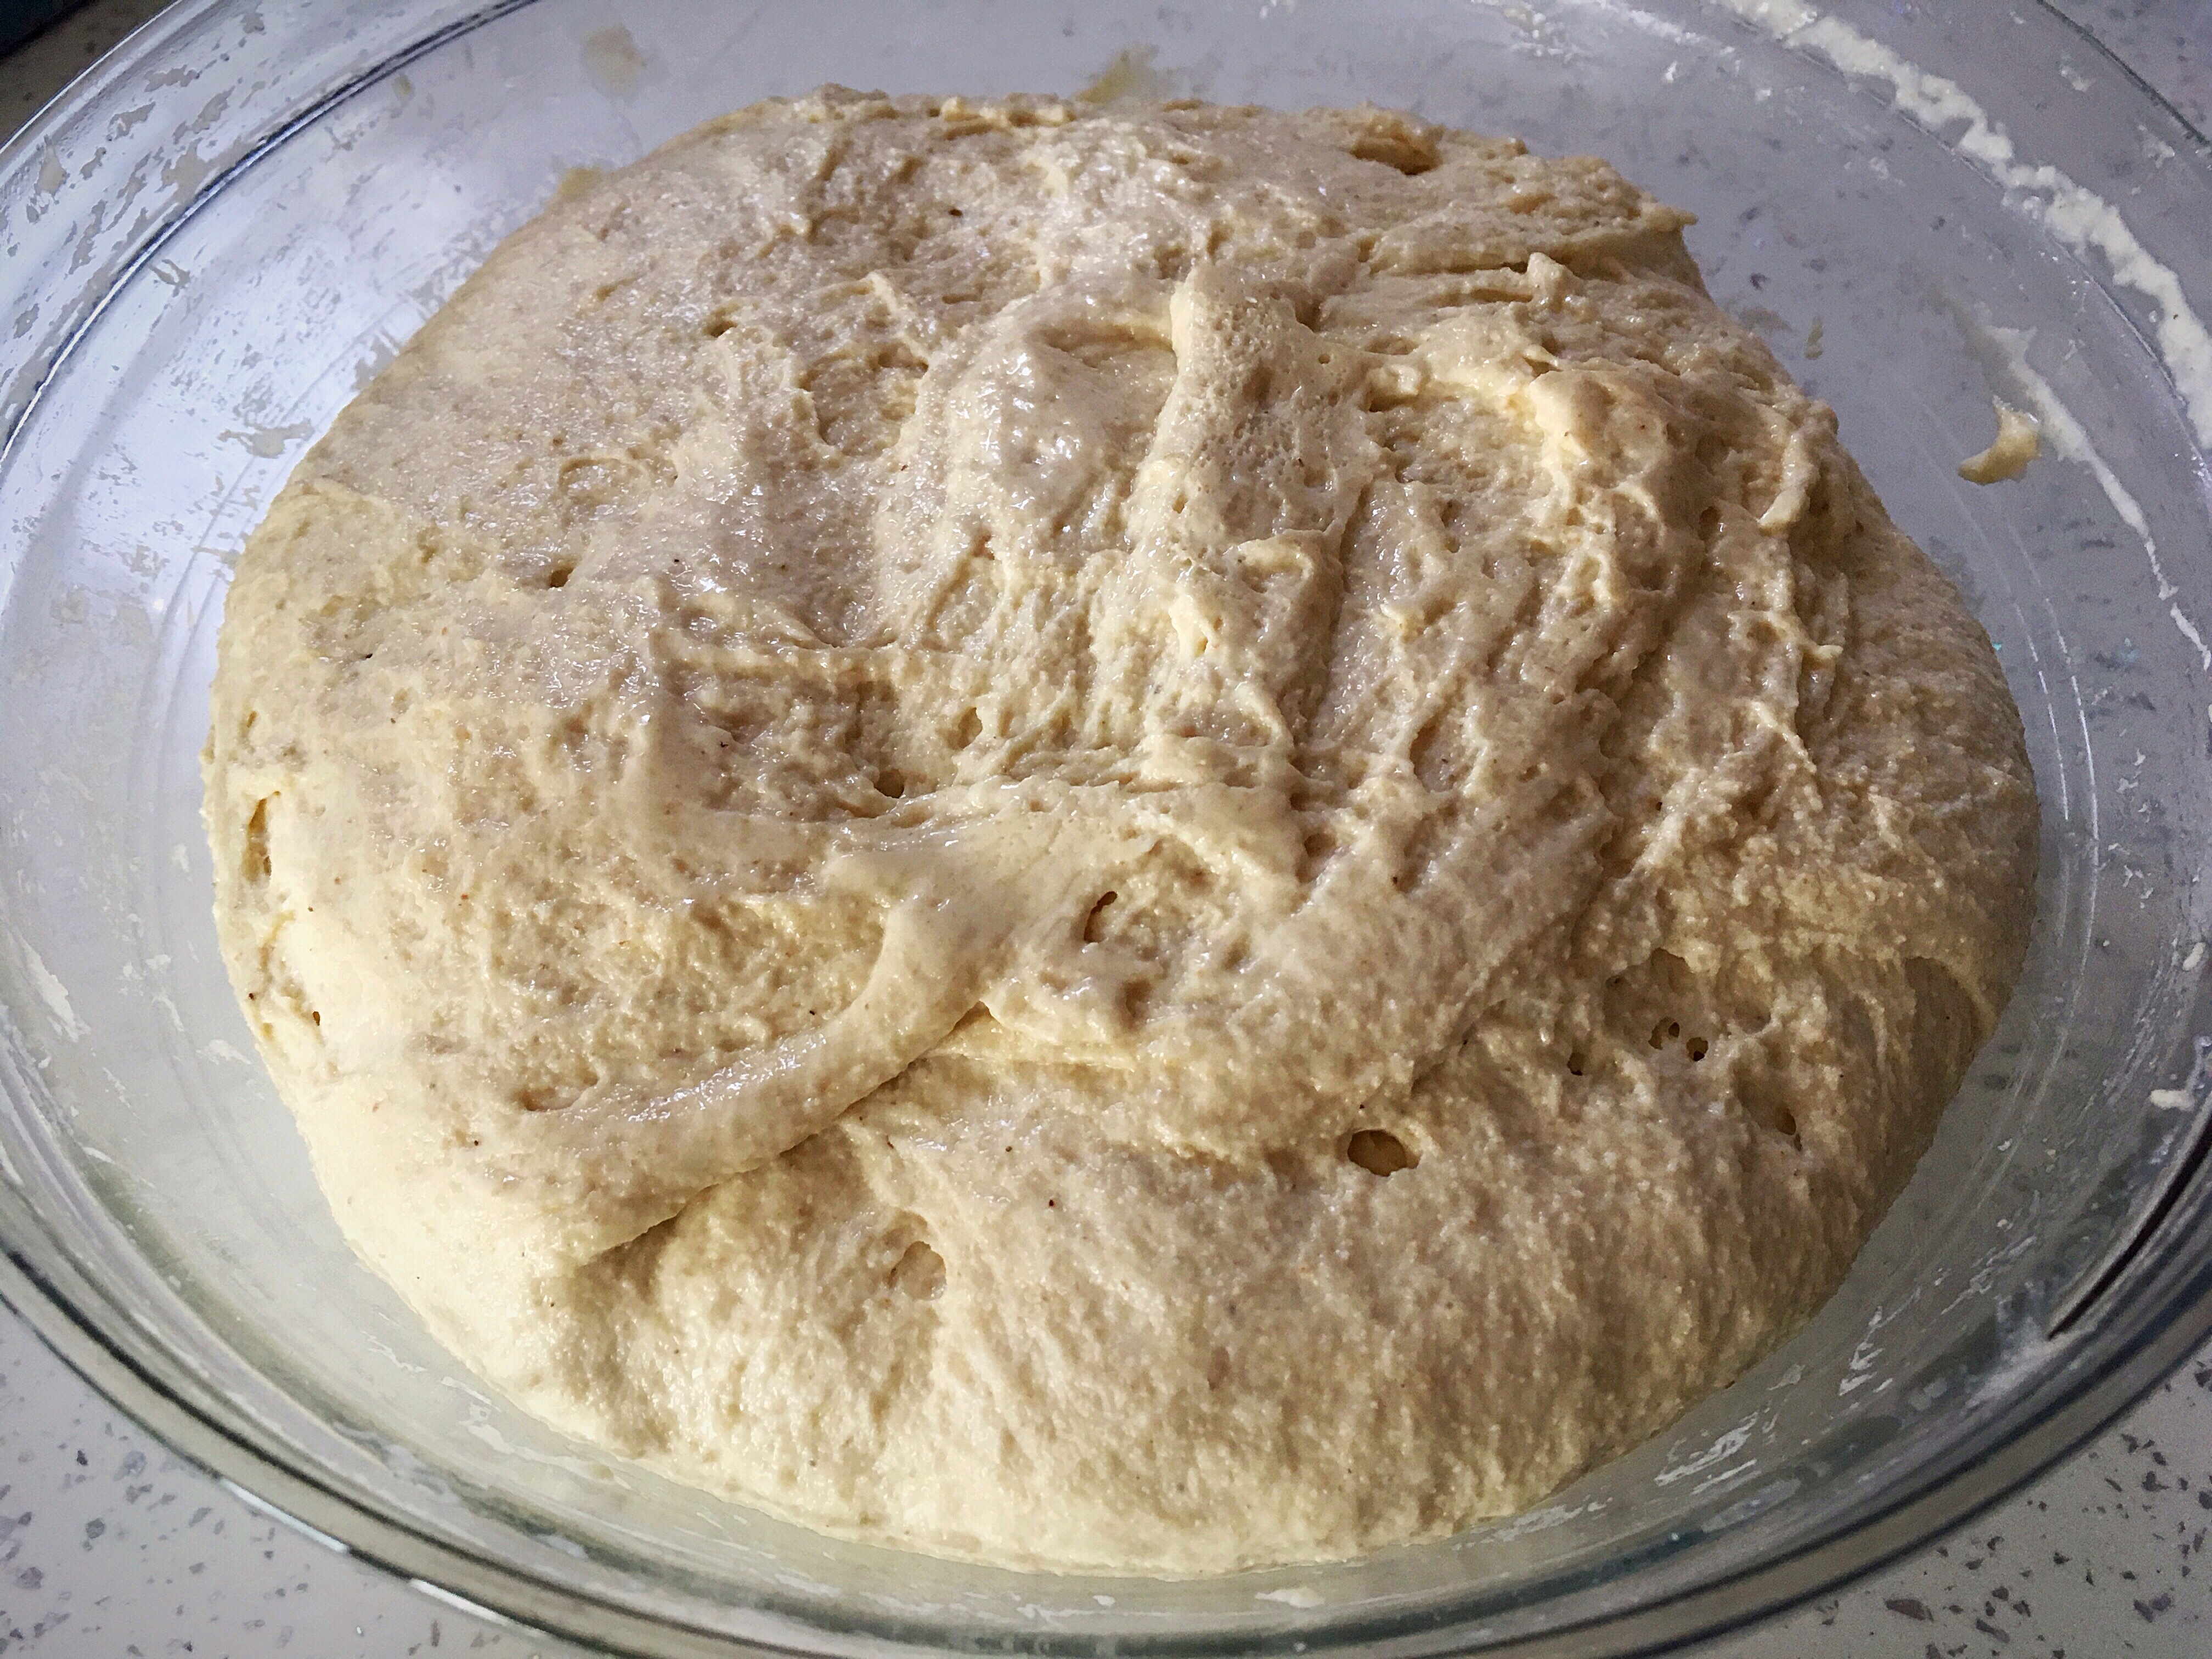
(109, 1545)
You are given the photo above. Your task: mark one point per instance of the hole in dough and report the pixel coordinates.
(1379, 1152)
(257, 843)
(1411, 153)
(920, 1272)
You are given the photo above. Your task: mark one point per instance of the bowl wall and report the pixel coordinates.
(214, 242)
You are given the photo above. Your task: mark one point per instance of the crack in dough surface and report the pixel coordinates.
(1155, 838)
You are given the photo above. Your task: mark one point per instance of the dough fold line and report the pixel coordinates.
(610, 1168)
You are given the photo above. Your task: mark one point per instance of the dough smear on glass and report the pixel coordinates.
(1156, 839)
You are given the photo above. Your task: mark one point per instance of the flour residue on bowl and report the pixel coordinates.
(2002, 355)
(1132, 75)
(51, 992)
(612, 61)
(2076, 215)
(268, 443)
(1727, 1446)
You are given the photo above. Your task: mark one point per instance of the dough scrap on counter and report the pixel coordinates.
(1153, 838)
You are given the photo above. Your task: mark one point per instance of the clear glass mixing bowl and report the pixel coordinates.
(217, 235)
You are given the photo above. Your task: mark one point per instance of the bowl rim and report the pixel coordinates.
(262, 1477)
(76, 1322)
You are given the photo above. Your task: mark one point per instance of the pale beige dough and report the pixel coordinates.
(2018, 441)
(1158, 838)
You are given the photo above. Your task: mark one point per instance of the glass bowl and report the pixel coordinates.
(219, 233)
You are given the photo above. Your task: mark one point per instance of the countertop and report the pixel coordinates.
(111, 1545)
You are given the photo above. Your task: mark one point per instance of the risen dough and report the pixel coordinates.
(1156, 839)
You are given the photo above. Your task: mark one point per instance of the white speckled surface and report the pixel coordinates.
(109, 1545)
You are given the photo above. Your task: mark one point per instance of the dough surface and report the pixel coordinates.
(1153, 839)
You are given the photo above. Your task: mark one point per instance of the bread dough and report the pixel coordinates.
(2019, 440)
(1150, 839)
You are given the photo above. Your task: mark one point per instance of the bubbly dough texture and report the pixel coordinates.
(1155, 838)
